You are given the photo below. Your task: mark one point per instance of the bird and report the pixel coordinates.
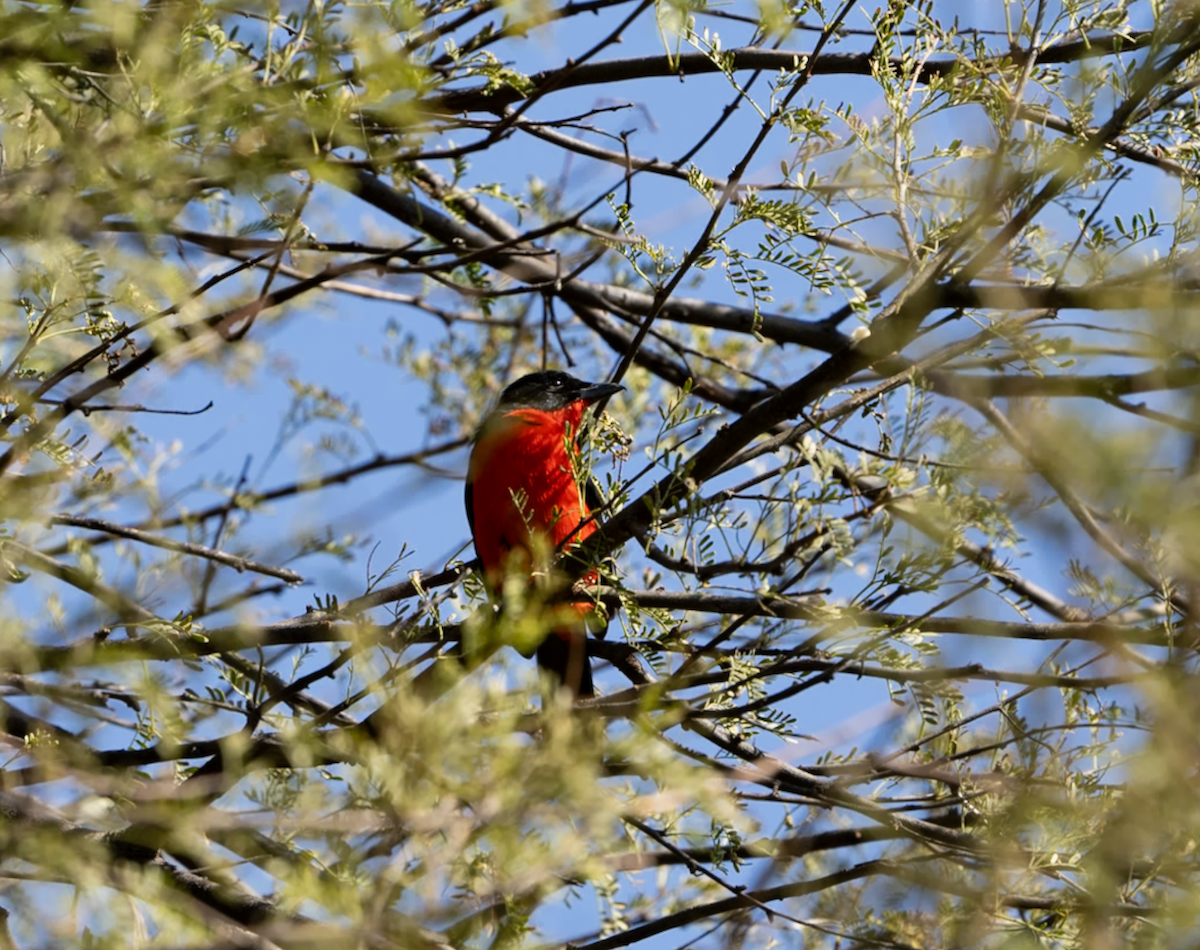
(524, 502)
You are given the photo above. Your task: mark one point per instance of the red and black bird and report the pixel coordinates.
(524, 501)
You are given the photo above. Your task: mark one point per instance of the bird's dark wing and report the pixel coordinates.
(591, 495)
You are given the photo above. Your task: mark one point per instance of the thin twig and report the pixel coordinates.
(239, 564)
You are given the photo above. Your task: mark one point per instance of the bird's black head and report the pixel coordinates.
(551, 391)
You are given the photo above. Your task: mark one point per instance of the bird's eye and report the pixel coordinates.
(556, 382)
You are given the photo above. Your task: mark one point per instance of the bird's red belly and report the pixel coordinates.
(528, 501)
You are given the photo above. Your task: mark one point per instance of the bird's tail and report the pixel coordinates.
(564, 653)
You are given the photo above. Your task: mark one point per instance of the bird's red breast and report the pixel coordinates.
(523, 486)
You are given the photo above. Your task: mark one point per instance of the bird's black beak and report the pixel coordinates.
(594, 392)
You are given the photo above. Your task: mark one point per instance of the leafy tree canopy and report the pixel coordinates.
(900, 496)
